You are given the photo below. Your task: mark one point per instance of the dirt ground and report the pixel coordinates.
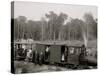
(28, 67)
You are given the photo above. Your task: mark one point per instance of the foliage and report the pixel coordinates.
(56, 28)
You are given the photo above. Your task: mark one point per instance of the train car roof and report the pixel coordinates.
(23, 43)
(66, 43)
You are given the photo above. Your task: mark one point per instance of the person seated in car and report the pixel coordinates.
(47, 53)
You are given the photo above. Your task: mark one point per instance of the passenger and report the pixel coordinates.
(82, 55)
(72, 50)
(20, 50)
(83, 49)
(24, 48)
(28, 55)
(66, 53)
(41, 58)
(33, 56)
(47, 53)
(24, 52)
(15, 52)
(36, 57)
(63, 58)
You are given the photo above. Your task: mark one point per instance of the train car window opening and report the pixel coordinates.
(23, 46)
(79, 50)
(87, 52)
(76, 51)
(29, 53)
(66, 53)
(47, 52)
(47, 49)
(71, 50)
(62, 53)
(19, 46)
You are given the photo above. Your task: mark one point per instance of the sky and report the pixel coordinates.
(35, 10)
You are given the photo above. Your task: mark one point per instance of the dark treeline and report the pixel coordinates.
(55, 27)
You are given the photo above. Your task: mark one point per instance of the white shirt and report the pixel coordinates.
(47, 49)
(29, 52)
(63, 57)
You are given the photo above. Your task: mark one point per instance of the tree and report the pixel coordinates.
(56, 28)
(52, 19)
(55, 23)
(22, 27)
(73, 29)
(91, 26)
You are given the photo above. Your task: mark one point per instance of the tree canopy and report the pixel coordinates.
(56, 28)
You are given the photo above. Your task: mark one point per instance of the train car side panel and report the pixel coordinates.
(55, 54)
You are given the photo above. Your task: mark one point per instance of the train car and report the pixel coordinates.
(60, 54)
(21, 48)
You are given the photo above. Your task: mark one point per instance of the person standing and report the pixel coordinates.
(41, 58)
(33, 56)
(47, 54)
(28, 55)
(36, 57)
(82, 55)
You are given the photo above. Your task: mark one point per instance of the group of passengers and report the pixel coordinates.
(22, 53)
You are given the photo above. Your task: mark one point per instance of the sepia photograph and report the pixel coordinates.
(48, 37)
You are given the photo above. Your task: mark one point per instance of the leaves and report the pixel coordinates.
(56, 28)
